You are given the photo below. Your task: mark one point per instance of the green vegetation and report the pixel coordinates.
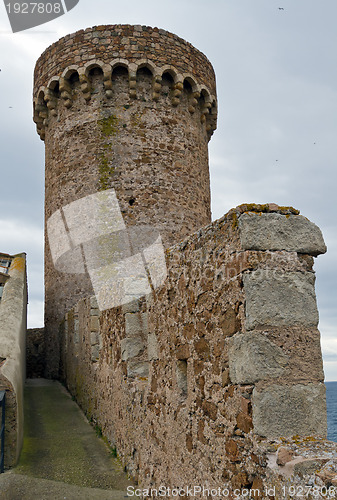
(108, 125)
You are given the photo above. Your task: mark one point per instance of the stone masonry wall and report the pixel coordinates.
(35, 353)
(216, 378)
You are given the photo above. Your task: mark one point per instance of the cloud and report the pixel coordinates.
(277, 97)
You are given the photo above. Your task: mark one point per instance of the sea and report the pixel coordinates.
(331, 402)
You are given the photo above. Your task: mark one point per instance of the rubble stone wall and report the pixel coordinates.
(205, 380)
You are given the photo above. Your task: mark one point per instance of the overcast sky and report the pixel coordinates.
(277, 132)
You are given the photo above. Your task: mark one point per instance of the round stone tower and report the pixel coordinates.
(129, 109)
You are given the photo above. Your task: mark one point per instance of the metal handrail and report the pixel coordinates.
(2, 430)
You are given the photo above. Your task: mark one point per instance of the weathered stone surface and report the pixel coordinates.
(181, 376)
(152, 346)
(274, 231)
(131, 307)
(252, 357)
(274, 298)
(94, 324)
(287, 410)
(309, 465)
(133, 324)
(284, 455)
(35, 357)
(244, 422)
(131, 347)
(138, 369)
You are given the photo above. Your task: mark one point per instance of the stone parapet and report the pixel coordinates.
(196, 384)
(13, 325)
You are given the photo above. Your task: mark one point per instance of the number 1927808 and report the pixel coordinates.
(34, 8)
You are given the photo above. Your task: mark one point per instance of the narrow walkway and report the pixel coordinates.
(62, 458)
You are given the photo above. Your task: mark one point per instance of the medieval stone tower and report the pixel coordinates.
(130, 108)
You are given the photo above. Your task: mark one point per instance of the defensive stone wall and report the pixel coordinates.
(13, 324)
(217, 373)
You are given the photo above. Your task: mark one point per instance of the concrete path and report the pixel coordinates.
(62, 458)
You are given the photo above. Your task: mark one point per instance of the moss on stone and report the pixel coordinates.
(235, 221)
(106, 170)
(108, 125)
(266, 208)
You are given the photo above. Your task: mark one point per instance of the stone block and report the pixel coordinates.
(289, 410)
(133, 325)
(94, 324)
(138, 369)
(271, 231)
(131, 347)
(95, 353)
(93, 338)
(309, 466)
(275, 298)
(152, 346)
(181, 376)
(93, 302)
(252, 357)
(284, 455)
(136, 324)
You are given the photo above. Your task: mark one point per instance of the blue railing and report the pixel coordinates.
(2, 430)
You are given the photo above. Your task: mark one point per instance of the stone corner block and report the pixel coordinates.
(272, 231)
(290, 410)
(276, 298)
(253, 357)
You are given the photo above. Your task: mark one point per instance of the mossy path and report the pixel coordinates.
(61, 446)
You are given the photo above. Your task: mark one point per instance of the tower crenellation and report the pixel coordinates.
(97, 48)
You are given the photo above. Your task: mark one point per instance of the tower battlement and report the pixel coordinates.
(173, 67)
